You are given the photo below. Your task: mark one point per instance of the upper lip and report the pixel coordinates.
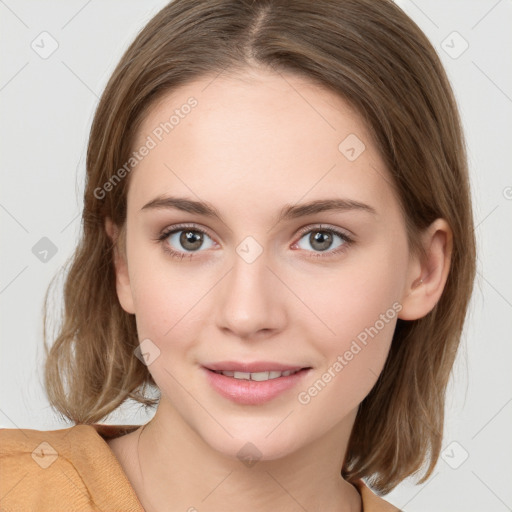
(252, 367)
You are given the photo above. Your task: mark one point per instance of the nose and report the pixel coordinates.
(251, 301)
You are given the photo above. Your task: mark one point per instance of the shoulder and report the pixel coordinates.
(372, 502)
(71, 468)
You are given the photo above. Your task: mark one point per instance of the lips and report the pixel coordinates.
(253, 383)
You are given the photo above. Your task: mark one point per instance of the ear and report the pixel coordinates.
(427, 274)
(123, 288)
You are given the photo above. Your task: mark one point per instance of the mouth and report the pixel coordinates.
(253, 383)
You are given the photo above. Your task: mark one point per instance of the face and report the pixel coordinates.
(265, 284)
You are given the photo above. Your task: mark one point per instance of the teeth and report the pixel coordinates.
(261, 376)
(257, 376)
(242, 375)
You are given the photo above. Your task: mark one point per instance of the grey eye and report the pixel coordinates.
(321, 240)
(188, 240)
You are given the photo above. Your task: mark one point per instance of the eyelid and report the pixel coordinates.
(327, 227)
(183, 227)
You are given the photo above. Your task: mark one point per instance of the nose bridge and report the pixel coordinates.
(249, 301)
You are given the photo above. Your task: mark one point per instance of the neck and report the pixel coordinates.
(175, 466)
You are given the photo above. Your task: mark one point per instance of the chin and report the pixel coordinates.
(252, 442)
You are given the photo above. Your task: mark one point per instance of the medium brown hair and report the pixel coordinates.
(375, 57)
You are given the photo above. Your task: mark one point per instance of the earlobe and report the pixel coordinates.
(428, 274)
(123, 288)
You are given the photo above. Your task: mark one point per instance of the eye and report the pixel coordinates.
(182, 241)
(185, 241)
(330, 241)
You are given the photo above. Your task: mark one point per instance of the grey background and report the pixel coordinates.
(46, 108)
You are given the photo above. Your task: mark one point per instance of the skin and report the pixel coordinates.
(254, 143)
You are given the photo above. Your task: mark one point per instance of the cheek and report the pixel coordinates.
(353, 358)
(359, 315)
(354, 296)
(168, 303)
(170, 313)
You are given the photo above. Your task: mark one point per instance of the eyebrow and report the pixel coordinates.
(288, 212)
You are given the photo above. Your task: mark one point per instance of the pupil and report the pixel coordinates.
(194, 238)
(322, 238)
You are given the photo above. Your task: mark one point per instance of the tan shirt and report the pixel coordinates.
(74, 469)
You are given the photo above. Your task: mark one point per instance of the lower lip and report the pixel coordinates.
(251, 392)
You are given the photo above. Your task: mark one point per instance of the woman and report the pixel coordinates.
(277, 237)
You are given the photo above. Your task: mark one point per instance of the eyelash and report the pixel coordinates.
(183, 227)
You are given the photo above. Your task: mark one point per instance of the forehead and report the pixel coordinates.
(257, 138)
(251, 107)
